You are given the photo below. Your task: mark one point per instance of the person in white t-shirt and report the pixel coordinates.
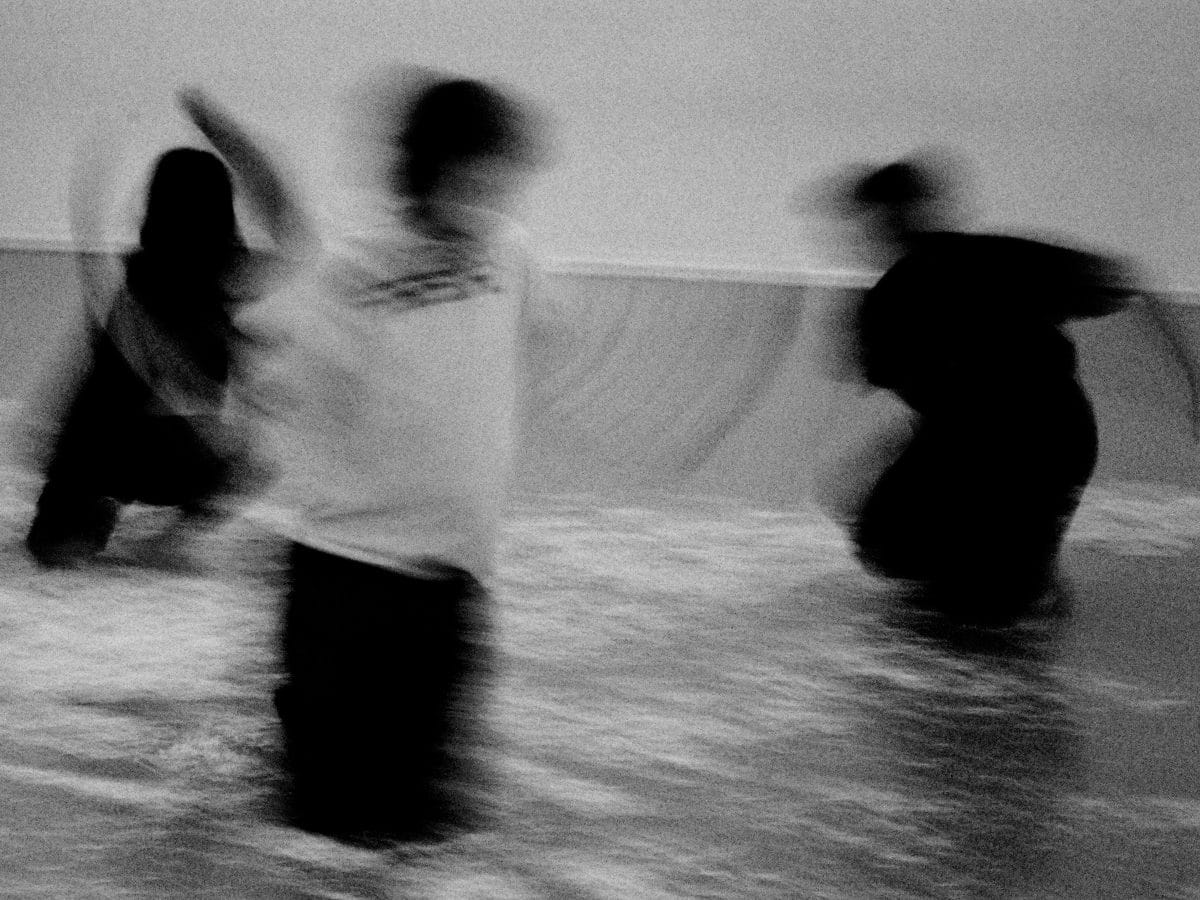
(400, 372)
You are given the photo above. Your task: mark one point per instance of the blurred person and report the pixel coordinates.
(968, 492)
(144, 418)
(398, 384)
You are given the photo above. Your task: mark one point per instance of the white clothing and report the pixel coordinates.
(404, 368)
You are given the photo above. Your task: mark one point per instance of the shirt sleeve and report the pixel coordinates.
(1076, 284)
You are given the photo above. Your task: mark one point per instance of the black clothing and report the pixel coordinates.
(967, 330)
(121, 441)
(381, 706)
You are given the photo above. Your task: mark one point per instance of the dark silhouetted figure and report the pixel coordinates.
(145, 424)
(967, 330)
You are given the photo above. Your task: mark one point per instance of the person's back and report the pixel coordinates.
(975, 320)
(405, 412)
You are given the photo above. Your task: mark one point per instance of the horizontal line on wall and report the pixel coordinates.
(595, 268)
(37, 244)
(611, 268)
(619, 268)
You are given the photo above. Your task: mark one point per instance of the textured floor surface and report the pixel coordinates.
(699, 698)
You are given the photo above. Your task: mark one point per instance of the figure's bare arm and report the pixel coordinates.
(269, 192)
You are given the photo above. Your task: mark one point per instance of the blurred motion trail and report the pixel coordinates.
(699, 698)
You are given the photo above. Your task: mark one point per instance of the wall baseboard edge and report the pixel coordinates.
(622, 268)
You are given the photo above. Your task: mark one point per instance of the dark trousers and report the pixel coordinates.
(111, 451)
(157, 460)
(976, 512)
(382, 703)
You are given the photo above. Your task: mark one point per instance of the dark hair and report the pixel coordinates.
(189, 205)
(189, 235)
(454, 120)
(897, 184)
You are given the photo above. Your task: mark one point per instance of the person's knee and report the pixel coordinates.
(70, 527)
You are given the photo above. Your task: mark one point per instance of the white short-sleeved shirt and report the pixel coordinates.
(403, 366)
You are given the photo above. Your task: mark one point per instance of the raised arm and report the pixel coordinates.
(269, 193)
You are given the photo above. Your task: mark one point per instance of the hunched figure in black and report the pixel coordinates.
(145, 422)
(967, 330)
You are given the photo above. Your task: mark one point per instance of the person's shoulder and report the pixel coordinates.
(927, 257)
(509, 239)
(376, 247)
(510, 231)
(949, 248)
(1026, 250)
(1001, 260)
(512, 259)
(930, 274)
(376, 233)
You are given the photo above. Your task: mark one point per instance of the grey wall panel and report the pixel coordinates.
(710, 387)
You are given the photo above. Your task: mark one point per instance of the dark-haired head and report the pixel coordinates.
(897, 184)
(450, 122)
(189, 237)
(189, 206)
(917, 194)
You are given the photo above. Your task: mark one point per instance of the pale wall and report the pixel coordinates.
(683, 127)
